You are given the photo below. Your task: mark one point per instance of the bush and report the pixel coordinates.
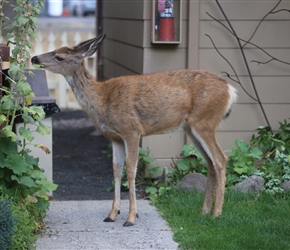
(7, 223)
(266, 155)
(25, 226)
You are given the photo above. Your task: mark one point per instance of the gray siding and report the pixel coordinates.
(272, 80)
(128, 50)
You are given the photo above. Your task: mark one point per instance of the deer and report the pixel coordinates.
(126, 108)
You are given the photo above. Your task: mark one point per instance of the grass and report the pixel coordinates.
(248, 221)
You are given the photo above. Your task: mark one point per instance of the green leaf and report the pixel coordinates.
(22, 20)
(7, 131)
(14, 68)
(37, 66)
(27, 118)
(26, 133)
(256, 153)
(243, 146)
(7, 103)
(181, 164)
(187, 150)
(16, 163)
(31, 160)
(147, 159)
(27, 181)
(24, 88)
(43, 129)
(37, 112)
(240, 170)
(151, 190)
(3, 118)
(7, 146)
(37, 174)
(156, 170)
(143, 151)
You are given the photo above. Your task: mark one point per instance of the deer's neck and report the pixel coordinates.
(84, 87)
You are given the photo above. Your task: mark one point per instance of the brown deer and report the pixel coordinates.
(128, 107)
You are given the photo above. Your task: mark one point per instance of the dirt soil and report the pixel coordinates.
(80, 169)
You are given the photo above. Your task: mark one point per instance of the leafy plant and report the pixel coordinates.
(270, 142)
(190, 161)
(266, 155)
(20, 175)
(241, 162)
(27, 223)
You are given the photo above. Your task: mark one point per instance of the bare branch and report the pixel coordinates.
(270, 12)
(258, 62)
(246, 63)
(233, 69)
(250, 43)
(277, 11)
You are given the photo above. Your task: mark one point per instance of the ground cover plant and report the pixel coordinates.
(249, 221)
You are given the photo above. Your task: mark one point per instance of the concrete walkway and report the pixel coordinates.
(74, 225)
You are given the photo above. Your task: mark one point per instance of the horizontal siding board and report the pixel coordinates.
(165, 145)
(124, 54)
(164, 58)
(273, 89)
(129, 9)
(271, 34)
(227, 139)
(243, 10)
(211, 60)
(111, 69)
(125, 31)
(248, 117)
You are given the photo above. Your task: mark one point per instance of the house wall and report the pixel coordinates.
(272, 80)
(128, 50)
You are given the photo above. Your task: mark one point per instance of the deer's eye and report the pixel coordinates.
(58, 58)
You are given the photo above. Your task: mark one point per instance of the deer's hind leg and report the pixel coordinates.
(118, 164)
(205, 140)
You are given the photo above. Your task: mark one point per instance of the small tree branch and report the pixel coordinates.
(246, 63)
(233, 69)
(270, 12)
(266, 62)
(250, 43)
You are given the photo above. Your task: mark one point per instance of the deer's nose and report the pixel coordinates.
(34, 60)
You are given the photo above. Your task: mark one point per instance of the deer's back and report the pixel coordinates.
(155, 103)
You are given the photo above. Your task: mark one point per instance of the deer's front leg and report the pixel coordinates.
(132, 152)
(118, 164)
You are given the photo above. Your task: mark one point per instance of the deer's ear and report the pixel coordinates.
(89, 47)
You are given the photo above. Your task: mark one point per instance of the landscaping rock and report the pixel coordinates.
(194, 181)
(252, 184)
(286, 186)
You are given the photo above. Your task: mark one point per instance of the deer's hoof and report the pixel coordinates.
(108, 219)
(128, 224)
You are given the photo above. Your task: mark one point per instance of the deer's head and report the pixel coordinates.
(65, 60)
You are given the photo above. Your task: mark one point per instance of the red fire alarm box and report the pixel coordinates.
(166, 21)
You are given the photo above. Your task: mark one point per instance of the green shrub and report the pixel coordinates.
(25, 226)
(266, 155)
(7, 223)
